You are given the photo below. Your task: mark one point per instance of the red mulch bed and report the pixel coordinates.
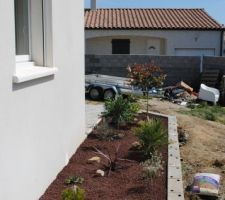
(123, 184)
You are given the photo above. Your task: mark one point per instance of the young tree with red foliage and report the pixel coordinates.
(146, 76)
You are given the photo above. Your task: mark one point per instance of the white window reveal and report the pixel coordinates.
(33, 34)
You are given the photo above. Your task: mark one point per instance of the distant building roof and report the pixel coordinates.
(172, 19)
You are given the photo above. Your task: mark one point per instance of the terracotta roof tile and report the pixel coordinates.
(150, 19)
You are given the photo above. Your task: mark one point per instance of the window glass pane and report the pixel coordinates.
(22, 26)
(120, 46)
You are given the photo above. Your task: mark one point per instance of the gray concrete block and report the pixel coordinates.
(174, 173)
(175, 183)
(175, 196)
(173, 139)
(175, 186)
(174, 161)
(173, 147)
(175, 152)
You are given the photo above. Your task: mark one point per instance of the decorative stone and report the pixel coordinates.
(95, 159)
(136, 145)
(120, 136)
(136, 119)
(100, 172)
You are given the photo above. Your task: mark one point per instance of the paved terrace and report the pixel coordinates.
(92, 112)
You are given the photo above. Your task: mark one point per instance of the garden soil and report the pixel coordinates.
(125, 183)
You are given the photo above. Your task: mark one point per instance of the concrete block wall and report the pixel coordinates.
(177, 68)
(214, 63)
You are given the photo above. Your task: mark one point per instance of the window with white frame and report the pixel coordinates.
(33, 36)
(22, 27)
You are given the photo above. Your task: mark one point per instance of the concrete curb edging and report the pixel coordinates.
(175, 189)
(92, 128)
(174, 174)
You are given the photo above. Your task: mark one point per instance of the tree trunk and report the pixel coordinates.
(147, 104)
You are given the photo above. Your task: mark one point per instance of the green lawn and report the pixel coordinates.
(204, 111)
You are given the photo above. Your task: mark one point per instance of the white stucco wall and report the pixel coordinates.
(41, 121)
(173, 40)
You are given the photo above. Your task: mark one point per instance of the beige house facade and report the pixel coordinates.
(156, 42)
(171, 32)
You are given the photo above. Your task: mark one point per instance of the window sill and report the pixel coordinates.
(27, 73)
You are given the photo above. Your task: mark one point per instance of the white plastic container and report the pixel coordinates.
(209, 94)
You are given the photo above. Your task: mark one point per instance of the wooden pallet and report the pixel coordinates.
(210, 77)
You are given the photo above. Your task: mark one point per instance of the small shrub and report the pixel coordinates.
(74, 180)
(120, 110)
(105, 132)
(112, 160)
(151, 135)
(152, 166)
(131, 97)
(74, 193)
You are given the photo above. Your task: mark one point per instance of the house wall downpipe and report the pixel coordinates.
(201, 64)
(93, 4)
(222, 42)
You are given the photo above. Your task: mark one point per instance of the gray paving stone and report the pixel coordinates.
(93, 114)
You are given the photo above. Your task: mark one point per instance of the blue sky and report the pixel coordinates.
(216, 8)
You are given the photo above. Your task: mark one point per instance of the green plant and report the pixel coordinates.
(152, 166)
(112, 160)
(203, 104)
(105, 132)
(205, 111)
(146, 76)
(131, 97)
(74, 180)
(151, 135)
(191, 106)
(120, 110)
(210, 116)
(73, 193)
